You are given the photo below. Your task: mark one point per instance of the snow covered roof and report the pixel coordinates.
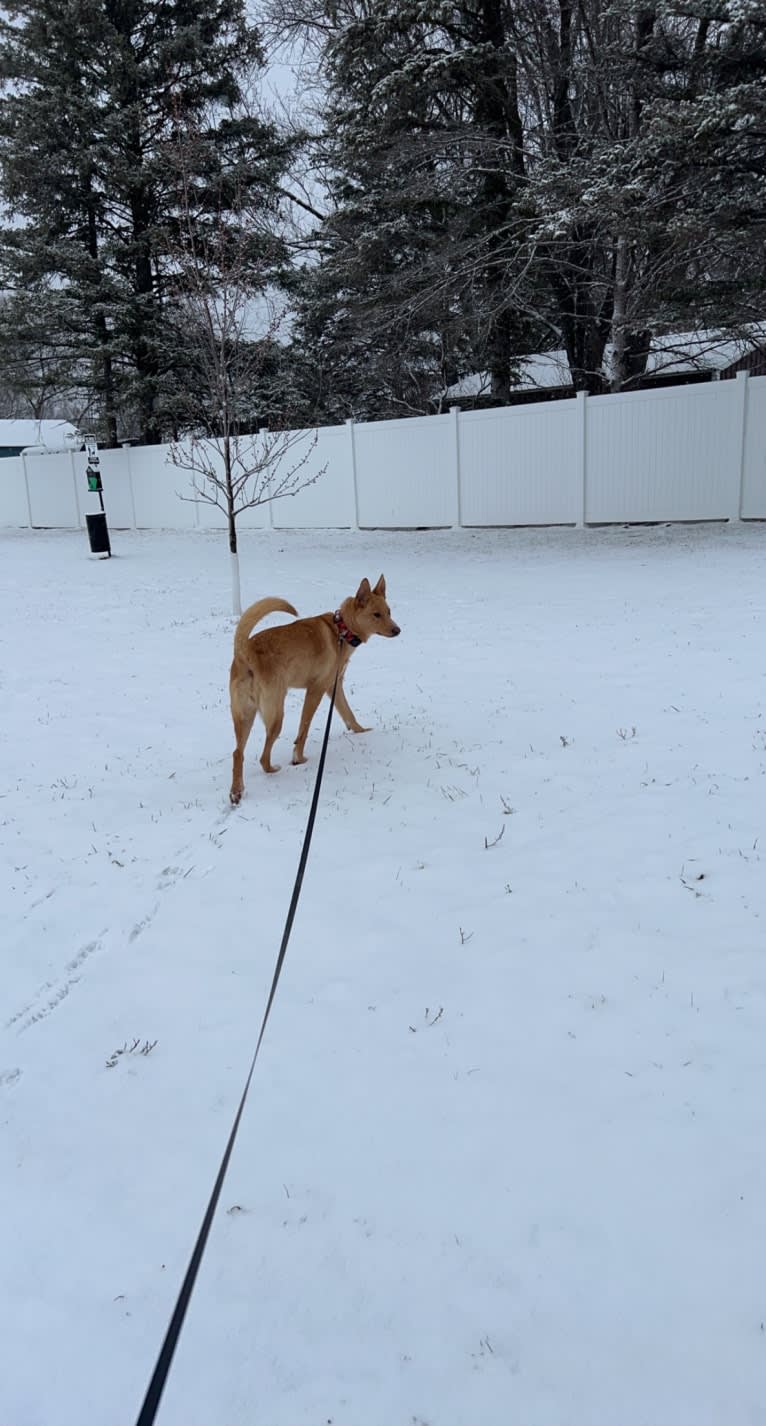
(21, 433)
(685, 352)
(543, 371)
(676, 353)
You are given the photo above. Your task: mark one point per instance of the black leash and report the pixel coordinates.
(148, 1412)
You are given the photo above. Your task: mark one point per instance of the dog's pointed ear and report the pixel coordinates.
(380, 587)
(363, 592)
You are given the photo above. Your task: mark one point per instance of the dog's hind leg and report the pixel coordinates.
(272, 711)
(243, 715)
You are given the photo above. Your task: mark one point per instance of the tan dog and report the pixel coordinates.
(300, 655)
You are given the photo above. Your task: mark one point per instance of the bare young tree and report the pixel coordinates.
(227, 325)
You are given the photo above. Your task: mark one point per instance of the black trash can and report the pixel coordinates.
(98, 534)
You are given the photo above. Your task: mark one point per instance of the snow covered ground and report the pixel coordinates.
(505, 1154)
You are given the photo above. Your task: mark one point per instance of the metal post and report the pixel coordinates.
(98, 530)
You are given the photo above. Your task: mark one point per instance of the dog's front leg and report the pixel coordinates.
(342, 707)
(310, 704)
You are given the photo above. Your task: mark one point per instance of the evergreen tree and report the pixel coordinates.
(422, 137)
(38, 372)
(511, 175)
(96, 94)
(639, 216)
(706, 144)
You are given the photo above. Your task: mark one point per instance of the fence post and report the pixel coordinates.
(741, 388)
(350, 429)
(26, 488)
(455, 414)
(131, 491)
(80, 520)
(582, 445)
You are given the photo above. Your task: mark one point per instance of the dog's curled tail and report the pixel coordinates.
(253, 616)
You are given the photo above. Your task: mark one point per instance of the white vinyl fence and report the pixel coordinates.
(682, 453)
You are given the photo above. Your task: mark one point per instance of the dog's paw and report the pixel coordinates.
(275, 768)
(357, 728)
(235, 797)
(297, 762)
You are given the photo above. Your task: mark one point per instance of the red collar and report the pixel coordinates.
(344, 632)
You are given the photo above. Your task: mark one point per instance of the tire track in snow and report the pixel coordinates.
(53, 992)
